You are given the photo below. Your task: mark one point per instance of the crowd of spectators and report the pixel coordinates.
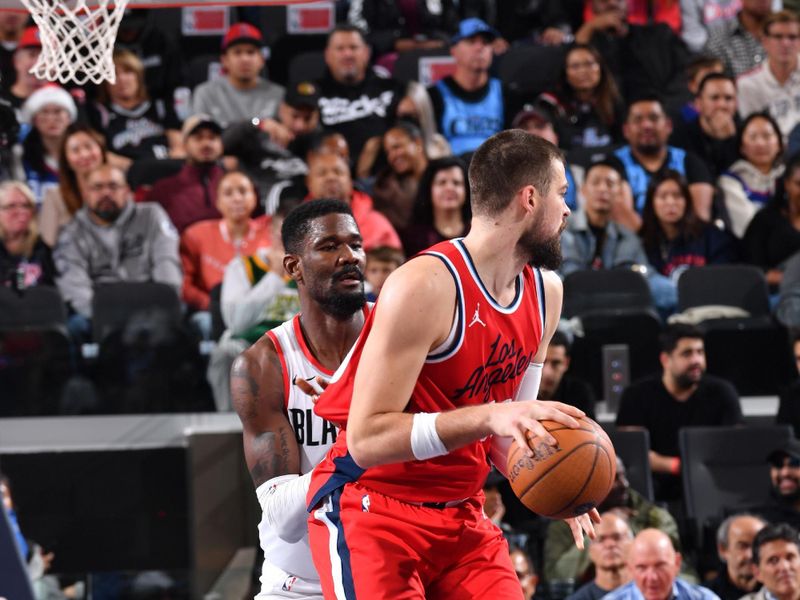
(678, 121)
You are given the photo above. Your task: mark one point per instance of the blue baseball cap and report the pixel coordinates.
(474, 26)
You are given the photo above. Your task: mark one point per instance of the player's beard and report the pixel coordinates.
(343, 305)
(540, 252)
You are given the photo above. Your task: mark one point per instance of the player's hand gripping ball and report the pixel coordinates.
(567, 480)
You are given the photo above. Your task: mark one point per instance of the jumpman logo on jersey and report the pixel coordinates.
(476, 318)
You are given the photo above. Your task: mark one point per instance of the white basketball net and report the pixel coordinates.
(77, 39)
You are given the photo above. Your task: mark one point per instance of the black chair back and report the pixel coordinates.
(531, 70)
(633, 447)
(742, 286)
(613, 290)
(39, 307)
(114, 305)
(726, 468)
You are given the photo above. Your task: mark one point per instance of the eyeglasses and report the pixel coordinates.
(110, 186)
(16, 206)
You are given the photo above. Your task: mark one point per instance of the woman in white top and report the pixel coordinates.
(749, 183)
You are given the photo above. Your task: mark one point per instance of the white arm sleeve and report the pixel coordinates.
(528, 390)
(283, 502)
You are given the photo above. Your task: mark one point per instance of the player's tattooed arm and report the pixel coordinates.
(270, 447)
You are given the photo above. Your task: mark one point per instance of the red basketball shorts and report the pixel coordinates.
(370, 546)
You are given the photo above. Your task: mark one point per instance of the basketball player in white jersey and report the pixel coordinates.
(283, 438)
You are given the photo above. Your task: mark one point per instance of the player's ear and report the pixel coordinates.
(291, 264)
(527, 197)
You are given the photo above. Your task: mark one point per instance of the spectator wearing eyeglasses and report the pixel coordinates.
(608, 551)
(112, 239)
(774, 85)
(25, 260)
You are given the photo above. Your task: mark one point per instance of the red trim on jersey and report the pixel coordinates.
(284, 369)
(301, 341)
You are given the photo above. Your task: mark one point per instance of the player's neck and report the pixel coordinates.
(329, 339)
(491, 242)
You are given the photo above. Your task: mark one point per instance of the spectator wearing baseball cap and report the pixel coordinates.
(25, 56)
(272, 151)
(470, 105)
(191, 194)
(242, 94)
(298, 115)
(784, 476)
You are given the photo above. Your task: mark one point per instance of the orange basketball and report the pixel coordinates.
(567, 480)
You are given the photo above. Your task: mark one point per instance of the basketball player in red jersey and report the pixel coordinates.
(283, 438)
(396, 506)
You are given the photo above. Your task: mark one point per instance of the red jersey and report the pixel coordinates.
(482, 360)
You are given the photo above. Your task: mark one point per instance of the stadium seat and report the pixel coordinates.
(308, 66)
(297, 57)
(638, 330)
(725, 468)
(752, 352)
(114, 305)
(35, 308)
(742, 286)
(531, 70)
(36, 359)
(148, 361)
(201, 69)
(633, 447)
(614, 291)
(144, 172)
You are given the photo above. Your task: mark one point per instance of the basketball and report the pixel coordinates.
(567, 480)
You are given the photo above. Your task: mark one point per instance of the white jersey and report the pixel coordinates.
(314, 437)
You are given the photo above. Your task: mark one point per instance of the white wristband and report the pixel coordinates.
(425, 442)
(529, 388)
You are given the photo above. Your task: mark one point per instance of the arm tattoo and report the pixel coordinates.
(244, 390)
(272, 449)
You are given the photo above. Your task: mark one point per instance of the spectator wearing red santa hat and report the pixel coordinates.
(48, 111)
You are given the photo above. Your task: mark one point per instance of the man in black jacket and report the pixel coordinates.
(354, 100)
